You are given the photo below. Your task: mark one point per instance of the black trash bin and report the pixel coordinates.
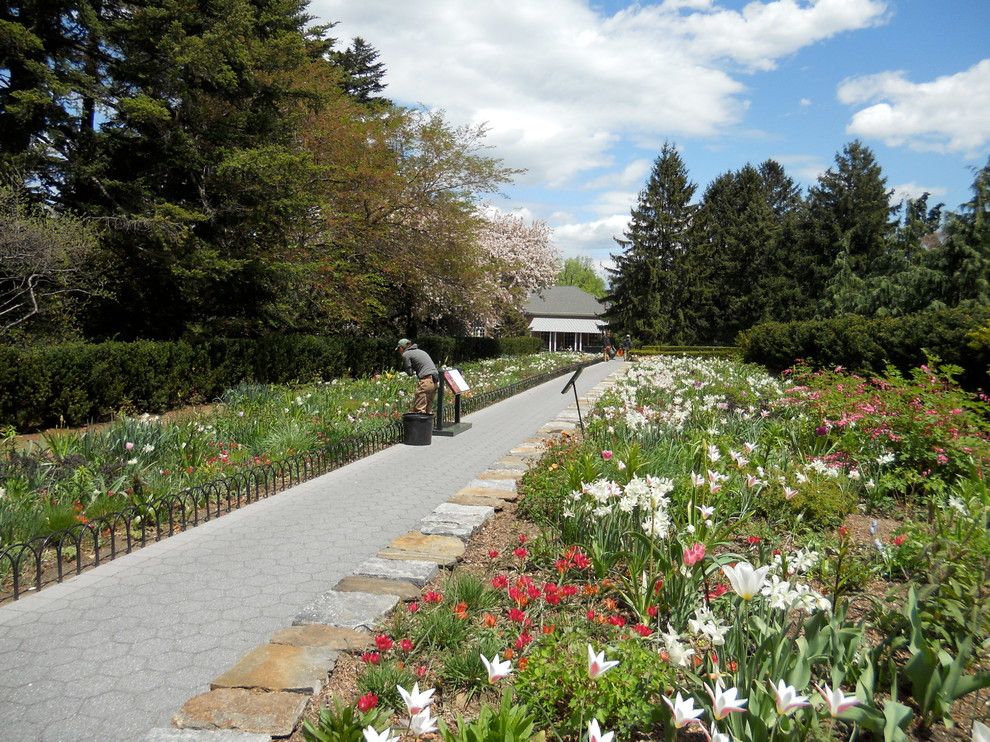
(418, 428)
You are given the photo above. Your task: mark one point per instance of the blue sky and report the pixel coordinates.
(582, 94)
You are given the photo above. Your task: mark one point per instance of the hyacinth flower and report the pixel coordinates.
(684, 711)
(787, 698)
(597, 664)
(415, 700)
(725, 702)
(595, 733)
(836, 700)
(746, 581)
(373, 735)
(496, 670)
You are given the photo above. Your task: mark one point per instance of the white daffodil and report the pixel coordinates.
(787, 698)
(595, 733)
(837, 700)
(496, 670)
(746, 581)
(684, 711)
(414, 700)
(597, 664)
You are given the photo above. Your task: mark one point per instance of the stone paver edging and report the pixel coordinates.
(266, 692)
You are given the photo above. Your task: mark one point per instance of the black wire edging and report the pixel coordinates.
(104, 539)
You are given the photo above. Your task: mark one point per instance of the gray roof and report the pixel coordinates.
(563, 301)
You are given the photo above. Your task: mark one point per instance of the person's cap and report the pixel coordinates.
(403, 343)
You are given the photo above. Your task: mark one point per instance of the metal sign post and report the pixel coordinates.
(572, 385)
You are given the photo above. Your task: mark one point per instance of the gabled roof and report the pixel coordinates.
(563, 301)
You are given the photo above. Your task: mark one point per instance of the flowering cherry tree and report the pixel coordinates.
(519, 258)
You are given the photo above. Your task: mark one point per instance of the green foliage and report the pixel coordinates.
(862, 344)
(73, 383)
(342, 723)
(382, 679)
(555, 685)
(581, 272)
(511, 722)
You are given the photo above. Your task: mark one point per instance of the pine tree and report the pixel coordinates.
(847, 224)
(964, 258)
(363, 73)
(646, 290)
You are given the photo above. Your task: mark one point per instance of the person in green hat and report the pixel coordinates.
(417, 362)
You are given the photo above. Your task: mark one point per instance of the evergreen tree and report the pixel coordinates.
(646, 290)
(847, 224)
(363, 73)
(964, 258)
(735, 226)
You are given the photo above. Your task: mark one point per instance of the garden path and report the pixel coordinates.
(116, 651)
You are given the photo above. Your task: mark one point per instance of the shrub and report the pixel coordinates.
(74, 383)
(869, 345)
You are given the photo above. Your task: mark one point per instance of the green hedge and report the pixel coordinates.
(73, 383)
(720, 351)
(869, 345)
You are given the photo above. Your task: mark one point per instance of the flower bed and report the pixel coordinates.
(136, 461)
(711, 562)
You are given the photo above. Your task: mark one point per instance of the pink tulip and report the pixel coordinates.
(694, 554)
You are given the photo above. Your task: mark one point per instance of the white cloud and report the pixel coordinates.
(912, 190)
(805, 168)
(948, 114)
(805, 102)
(561, 83)
(633, 174)
(594, 238)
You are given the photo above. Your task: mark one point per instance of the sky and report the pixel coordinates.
(582, 94)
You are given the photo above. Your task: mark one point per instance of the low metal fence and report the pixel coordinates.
(33, 564)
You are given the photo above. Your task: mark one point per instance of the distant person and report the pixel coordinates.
(418, 363)
(626, 346)
(608, 352)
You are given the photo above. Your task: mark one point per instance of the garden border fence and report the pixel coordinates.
(89, 544)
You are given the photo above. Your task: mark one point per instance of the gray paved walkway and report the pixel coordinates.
(116, 651)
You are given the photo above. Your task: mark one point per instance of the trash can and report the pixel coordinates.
(418, 428)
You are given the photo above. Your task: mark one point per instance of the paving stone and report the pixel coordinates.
(493, 502)
(260, 712)
(558, 427)
(507, 485)
(280, 667)
(404, 589)
(517, 463)
(485, 491)
(418, 573)
(444, 550)
(348, 610)
(330, 637)
(201, 735)
(454, 519)
(513, 475)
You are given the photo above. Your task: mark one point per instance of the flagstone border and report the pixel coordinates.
(263, 696)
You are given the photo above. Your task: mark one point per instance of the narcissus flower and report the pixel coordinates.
(597, 664)
(746, 581)
(415, 700)
(496, 669)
